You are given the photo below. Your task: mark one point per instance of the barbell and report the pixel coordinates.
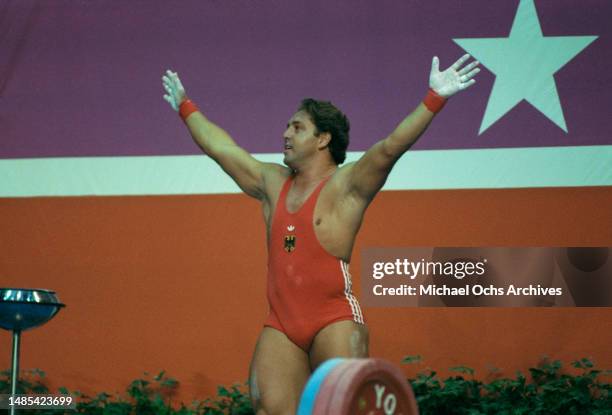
(357, 387)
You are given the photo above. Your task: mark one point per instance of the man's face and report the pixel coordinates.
(300, 139)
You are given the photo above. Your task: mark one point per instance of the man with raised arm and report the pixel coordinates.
(312, 210)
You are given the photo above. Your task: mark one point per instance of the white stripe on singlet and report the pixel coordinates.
(348, 292)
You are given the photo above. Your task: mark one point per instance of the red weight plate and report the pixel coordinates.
(326, 392)
(366, 387)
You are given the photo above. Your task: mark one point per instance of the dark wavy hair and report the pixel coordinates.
(329, 119)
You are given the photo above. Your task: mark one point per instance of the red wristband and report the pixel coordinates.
(187, 108)
(433, 101)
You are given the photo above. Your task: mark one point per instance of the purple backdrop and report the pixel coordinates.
(82, 78)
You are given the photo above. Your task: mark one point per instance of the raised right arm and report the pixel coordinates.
(246, 171)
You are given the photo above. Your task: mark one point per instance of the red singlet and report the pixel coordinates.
(308, 288)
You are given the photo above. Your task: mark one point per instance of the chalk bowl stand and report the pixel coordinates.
(23, 309)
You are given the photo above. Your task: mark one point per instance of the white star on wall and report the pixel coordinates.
(524, 64)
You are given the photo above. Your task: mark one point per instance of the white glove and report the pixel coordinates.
(454, 79)
(175, 93)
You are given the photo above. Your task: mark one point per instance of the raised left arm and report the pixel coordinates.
(369, 173)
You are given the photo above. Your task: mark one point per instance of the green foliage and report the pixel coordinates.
(142, 397)
(549, 391)
(30, 381)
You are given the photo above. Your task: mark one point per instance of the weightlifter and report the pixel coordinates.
(313, 209)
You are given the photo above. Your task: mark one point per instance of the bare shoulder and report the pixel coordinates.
(345, 190)
(274, 175)
(338, 184)
(337, 194)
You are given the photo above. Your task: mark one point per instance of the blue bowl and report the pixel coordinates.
(24, 308)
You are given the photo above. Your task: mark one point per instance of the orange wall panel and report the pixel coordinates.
(178, 283)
